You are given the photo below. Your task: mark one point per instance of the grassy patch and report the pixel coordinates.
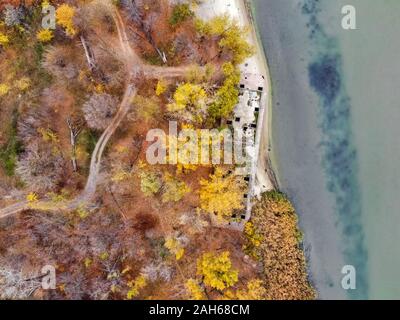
(88, 138)
(11, 149)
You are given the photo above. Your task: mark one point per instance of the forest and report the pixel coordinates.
(76, 190)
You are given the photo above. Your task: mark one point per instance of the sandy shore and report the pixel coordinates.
(257, 64)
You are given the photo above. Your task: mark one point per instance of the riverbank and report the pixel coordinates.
(266, 180)
(279, 250)
(241, 11)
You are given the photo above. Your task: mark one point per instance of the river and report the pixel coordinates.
(335, 116)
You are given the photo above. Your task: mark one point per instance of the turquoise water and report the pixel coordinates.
(335, 115)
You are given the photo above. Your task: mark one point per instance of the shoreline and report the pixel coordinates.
(265, 170)
(296, 140)
(265, 145)
(265, 159)
(266, 179)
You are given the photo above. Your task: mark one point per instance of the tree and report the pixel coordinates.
(189, 148)
(180, 13)
(253, 240)
(45, 35)
(234, 41)
(174, 190)
(232, 36)
(99, 110)
(161, 87)
(221, 194)
(196, 292)
(146, 108)
(186, 95)
(4, 89)
(227, 96)
(41, 168)
(189, 102)
(59, 61)
(64, 17)
(175, 247)
(23, 84)
(4, 40)
(217, 271)
(255, 290)
(135, 286)
(150, 183)
(13, 16)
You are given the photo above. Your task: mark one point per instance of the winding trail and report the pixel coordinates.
(133, 63)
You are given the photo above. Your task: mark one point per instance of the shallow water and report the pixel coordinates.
(335, 119)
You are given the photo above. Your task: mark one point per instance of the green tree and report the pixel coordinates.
(174, 190)
(150, 183)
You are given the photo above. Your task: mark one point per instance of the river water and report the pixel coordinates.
(334, 138)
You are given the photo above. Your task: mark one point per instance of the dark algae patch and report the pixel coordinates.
(325, 78)
(339, 158)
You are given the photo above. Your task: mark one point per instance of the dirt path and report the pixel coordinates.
(133, 63)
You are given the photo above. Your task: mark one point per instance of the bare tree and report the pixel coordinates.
(16, 285)
(40, 167)
(30, 121)
(59, 62)
(13, 15)
(75, 127)
(158, 270)
(134, 9)
(99, 110)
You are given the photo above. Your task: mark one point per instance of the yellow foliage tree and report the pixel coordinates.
(4, 89)
(4, 39)
(227, 96)
(253, 240)
(45, 35)
(32, 197)
(174, 190)
(23, 84)
(64, 17)
(173, 245)
(161, 87)
(221, 194)
(135, 286)
(147, 108)
(186, 95)
(48, 135)
(255, 291)
(217, 271)
(232, 36)
(196, 292)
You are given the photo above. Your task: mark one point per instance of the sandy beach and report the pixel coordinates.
(240, 10)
